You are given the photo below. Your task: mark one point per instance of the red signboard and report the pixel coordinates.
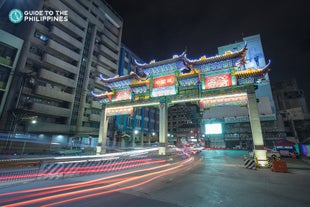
(163, 81)
(122, 95)
(218, 81)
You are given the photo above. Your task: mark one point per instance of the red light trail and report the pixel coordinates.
(57, 195)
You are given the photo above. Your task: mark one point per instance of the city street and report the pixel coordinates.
(219, 179)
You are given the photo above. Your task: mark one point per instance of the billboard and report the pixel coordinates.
(215, 128)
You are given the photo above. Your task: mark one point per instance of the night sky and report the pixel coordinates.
(161, 28)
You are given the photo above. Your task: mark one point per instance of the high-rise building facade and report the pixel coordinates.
(292, 107)
(183, 121)
(59, 65)
(10, 47)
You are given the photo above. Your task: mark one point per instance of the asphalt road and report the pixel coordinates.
(219, 179)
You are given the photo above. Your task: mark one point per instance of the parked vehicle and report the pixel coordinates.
(269, 153)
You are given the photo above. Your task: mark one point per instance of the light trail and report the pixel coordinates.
(92, 191)
(87, 170)
(48, 191)
(91, 181)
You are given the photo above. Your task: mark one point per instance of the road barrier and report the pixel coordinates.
(269, 162)
(250, 164)
(279, 166)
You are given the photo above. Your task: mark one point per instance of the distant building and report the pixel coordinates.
(292, 108)
(58, 66)
(183, 122)
(287, 96)
(142, 126)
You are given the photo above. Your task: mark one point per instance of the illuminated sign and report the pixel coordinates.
(119, 111)
(213, 128)
(164, 91)
(122, 95)
(163, 81)
(218, 81)
(235, 100)
(163, 86)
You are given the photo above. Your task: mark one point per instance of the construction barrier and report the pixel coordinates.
(250, 164)
(279, 166)
(269, 162)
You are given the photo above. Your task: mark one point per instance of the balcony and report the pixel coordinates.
(88, 130)
(52, 93)
(110, 35)
(63, 50)
(105, 71)
(94, 117)
(85, 119)
(60, 64)
(109, 42)
(74, 29)
(107, 62)
(64, 36)
(54, 77)
(34, 57)
(115, 30)
(72, 15)
(48, 127)
(96, 105)
(108, 52)
(50, 110)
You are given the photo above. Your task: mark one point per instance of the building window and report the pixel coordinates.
(41, 36)
(7, 54)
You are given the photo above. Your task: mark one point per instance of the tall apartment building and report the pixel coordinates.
(182, 119)
(234, 119)
(292, 107)
(142, 126)
(58, 66)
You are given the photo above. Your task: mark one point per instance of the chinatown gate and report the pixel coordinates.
(216, 81)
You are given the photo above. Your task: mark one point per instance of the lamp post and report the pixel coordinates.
(136, 132)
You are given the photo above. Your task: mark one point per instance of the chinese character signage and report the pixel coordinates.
(122, 95)
(163, 86)
(163, 81)
(218, 81)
